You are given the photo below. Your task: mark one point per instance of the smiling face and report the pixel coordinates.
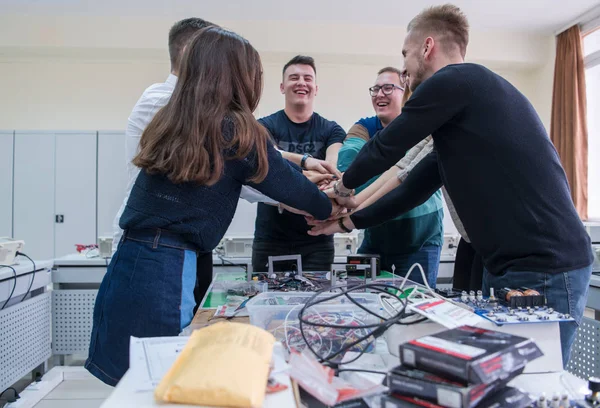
(299, 85)
(387, 107)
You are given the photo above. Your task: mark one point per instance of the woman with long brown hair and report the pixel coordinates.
(194, 157)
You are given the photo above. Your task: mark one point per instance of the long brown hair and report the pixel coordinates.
(220, 81)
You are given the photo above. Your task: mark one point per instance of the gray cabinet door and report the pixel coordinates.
(112, 179)
(75, 191)
(34, 193)
(6, 183)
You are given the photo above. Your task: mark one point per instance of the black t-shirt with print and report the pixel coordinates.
(313, 137)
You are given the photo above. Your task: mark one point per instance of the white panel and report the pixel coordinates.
(26, 338)
(243, 220)
(34, 193)
(72, 312)
(112, 179)
(6, 183)
(75, 194)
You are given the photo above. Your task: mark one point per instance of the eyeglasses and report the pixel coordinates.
(386, 88)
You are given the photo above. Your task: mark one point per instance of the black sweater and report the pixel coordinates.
(496, 161)
(202, 214)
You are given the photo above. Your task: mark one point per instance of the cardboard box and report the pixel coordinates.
(470, 354)
(406, 381)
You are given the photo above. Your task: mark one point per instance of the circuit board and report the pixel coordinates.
(501, 314)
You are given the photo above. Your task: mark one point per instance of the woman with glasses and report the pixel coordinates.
(194, 157)
(416, 236)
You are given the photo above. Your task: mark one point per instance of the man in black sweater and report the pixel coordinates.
(494, 157)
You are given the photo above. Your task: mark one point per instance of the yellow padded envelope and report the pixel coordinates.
(226, 365)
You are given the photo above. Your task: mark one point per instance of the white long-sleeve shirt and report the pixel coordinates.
(152, 100)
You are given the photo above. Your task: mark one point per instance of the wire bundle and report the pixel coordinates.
(371, 331)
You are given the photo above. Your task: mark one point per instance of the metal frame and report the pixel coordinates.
(297, 258)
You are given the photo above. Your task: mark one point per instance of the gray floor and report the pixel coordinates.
(84, 392)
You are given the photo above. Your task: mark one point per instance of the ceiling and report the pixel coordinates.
(539, 16)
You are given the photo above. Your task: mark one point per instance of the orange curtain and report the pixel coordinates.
(568, 129)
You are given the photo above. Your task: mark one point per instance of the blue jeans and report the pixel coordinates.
(428, 256)
(565, 292)
(148, 291)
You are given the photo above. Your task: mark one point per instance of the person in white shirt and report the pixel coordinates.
(152, 100)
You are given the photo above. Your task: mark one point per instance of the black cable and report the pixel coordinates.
(358, 370)
(14, 398)
(225, 261)
(32, 278)
(379, 328)
(14, 286)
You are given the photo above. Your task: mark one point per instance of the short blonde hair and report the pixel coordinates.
(447, 21)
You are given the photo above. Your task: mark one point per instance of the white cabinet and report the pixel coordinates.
(54, 191)
(34, 193)
(6, 183)
(75, 191)
(112, 179)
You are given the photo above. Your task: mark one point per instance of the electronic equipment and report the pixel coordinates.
(499, 311)
(373, 261)
(8, 250)
(237, 247)
(286, 263)
(345, 243)
(105, 246)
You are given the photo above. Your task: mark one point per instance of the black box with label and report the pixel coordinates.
(470, 354)
(407, 381)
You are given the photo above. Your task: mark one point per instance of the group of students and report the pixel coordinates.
(194, 148)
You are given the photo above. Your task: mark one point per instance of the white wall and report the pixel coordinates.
(87, 73)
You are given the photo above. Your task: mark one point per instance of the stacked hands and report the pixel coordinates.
(328, 179)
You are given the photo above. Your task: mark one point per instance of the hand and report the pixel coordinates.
(330, 227)
(336, 212)
(316, 177)
(327, 186)
(321, 166)
(348, 202)
(325, 228)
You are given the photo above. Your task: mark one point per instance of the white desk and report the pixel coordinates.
(24, 270)
(25, 320)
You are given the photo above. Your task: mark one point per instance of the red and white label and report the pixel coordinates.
(462, 351)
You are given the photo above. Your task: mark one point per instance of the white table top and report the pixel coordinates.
(18, 288)
(78, 259)
(24, 265)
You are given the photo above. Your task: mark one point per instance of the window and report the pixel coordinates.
(591, 51)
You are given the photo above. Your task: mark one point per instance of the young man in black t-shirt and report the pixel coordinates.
(302, 136)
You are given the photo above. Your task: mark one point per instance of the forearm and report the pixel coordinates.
(366, 194)
(286, 185)
(388, 186)
(422, 182)
(292, 157)
(332, 153)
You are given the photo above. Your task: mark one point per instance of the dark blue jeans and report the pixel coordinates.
(565, 292)
(148, 291)
(428, 256)
(316, 256)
